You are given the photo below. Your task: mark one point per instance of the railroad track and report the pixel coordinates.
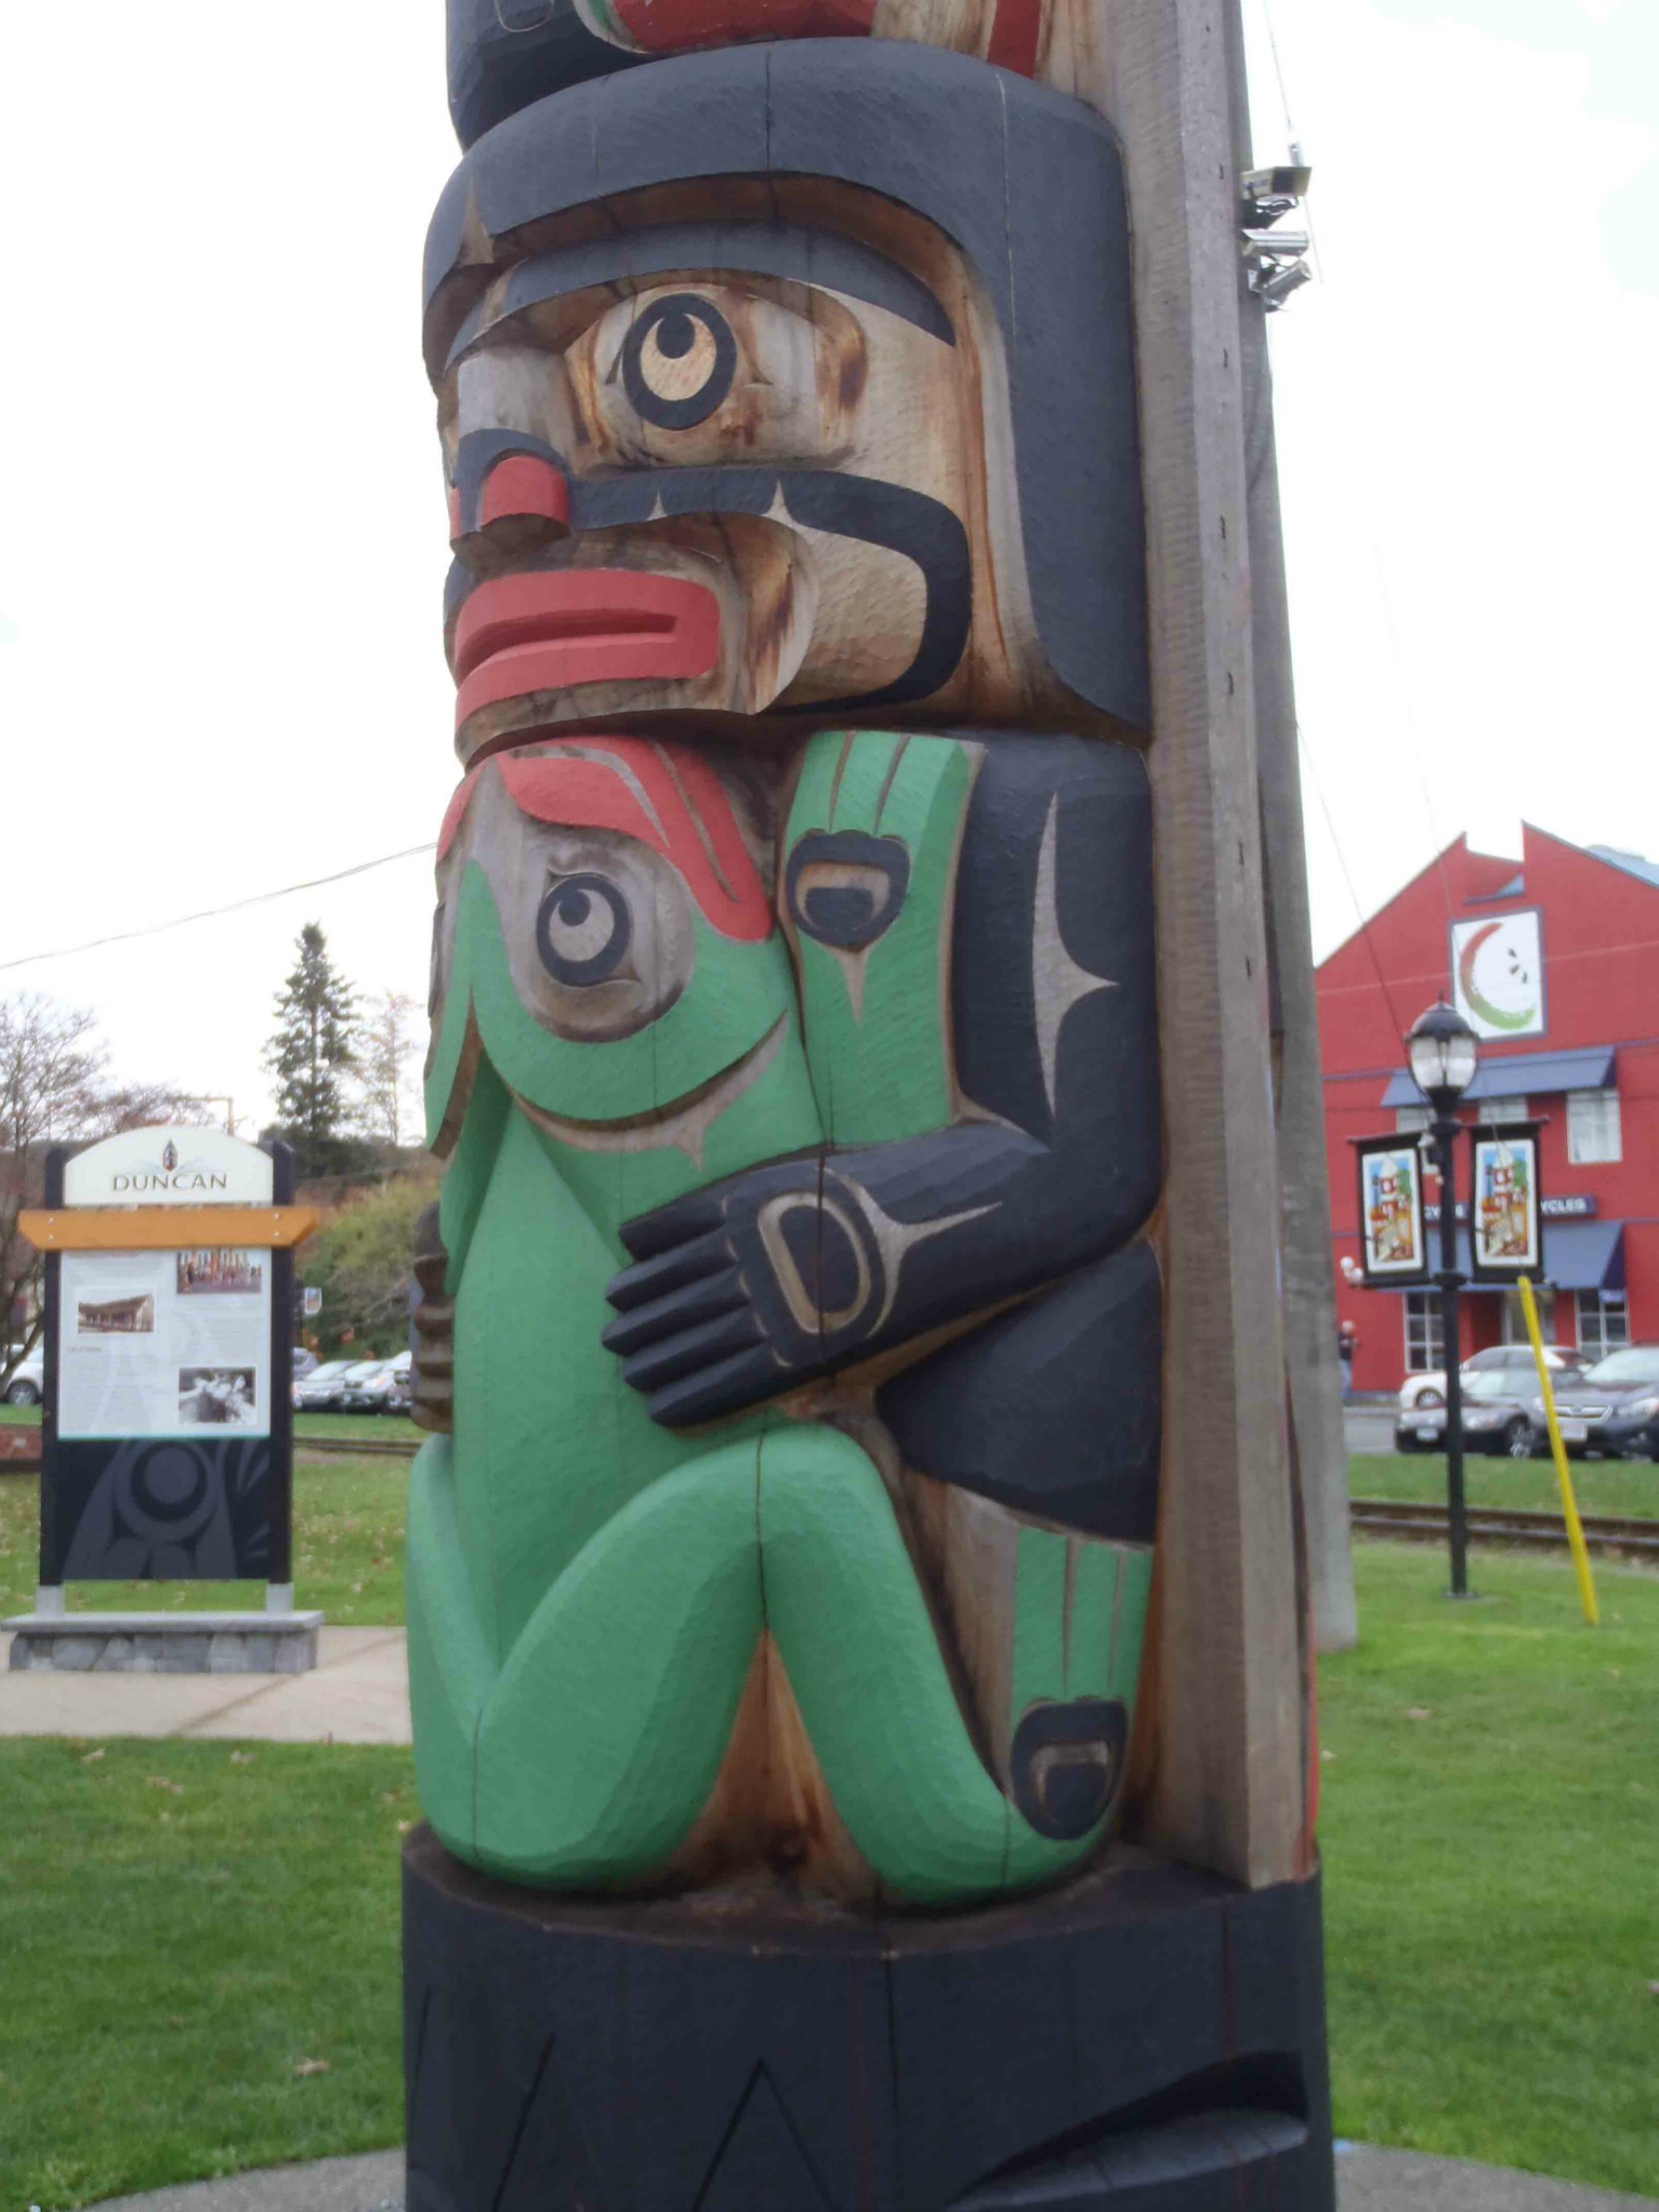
(1424, 1523)
(348, 1448)
(1413, 1524)
(1418, 1523)
(304, 1447)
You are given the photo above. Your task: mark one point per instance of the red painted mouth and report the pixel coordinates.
(551, 629)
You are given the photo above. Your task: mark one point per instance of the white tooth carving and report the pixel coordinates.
(1057, 982)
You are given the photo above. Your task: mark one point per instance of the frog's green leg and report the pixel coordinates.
(850, 1619)
(1079, 1613)
(586, 1761)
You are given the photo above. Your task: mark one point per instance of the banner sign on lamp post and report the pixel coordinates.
(1393, 1240)
(1505, 1211)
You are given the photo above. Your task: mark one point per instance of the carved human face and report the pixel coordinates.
(727, 467)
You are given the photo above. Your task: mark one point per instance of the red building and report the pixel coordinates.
(1555, 963)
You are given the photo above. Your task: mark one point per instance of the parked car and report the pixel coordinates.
(28, 1384)
(1612, 1407)
(319, 1391)
(378, 1386)
(304, 1363)
(1497, 1418)
(1514, 1361)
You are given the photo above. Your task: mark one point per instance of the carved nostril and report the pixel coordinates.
(522, 504)
(525, 488)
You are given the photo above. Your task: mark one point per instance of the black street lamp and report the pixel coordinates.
(1443, 1050)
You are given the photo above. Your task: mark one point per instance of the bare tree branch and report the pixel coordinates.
(386, 1053)
(55, 1088)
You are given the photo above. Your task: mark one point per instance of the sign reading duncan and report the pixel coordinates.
(169, 1167)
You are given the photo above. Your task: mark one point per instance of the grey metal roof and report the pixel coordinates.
(1631, 862)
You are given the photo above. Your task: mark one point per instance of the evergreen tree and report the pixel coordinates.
(310, 1054)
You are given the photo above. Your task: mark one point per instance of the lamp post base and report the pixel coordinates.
(1150, 2038)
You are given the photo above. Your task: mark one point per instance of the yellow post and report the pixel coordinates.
(1569, 1504)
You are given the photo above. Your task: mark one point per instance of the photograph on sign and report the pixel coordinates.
(222, 1272)
(218, 1397)
(1497, 975)
(156, 1343)
(1505, 1233)
(1393, 1246)
(116, 1316)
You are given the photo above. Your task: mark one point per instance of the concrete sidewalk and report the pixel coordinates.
(1367, 2181)
(358, 1693)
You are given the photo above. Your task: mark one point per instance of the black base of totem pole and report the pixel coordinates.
(1150, 2039)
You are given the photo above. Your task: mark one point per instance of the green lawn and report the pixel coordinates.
(1490, 1833)
(1490, 1830)
(347, 1558)
(197, 1962)
(1617, 1486)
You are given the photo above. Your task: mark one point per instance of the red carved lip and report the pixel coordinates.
(554, 628)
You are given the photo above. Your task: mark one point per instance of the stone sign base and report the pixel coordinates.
(164, 1643)
(1148, 2039)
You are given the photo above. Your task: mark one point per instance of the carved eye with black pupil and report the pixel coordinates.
(678, 361)
(583, 930)
(845, 888)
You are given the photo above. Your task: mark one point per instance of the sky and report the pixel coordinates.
(222, 536)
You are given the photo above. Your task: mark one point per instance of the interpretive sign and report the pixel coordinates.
(167, 1447)
(1506, 1214)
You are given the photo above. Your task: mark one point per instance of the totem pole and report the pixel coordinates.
(791, 1569)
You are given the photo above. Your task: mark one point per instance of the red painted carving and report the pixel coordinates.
(1014, 36)
(665, 795)
(524, 484)
(659, 28)
(547, 630)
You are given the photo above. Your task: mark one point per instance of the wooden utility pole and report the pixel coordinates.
(1319, 1440)
(1231, 1664)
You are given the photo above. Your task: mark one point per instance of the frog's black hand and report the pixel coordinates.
(742, 1289)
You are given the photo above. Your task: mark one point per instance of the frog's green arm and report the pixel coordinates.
(980, 1023)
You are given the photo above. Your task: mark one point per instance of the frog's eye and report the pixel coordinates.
(583, 930)
(678, 361)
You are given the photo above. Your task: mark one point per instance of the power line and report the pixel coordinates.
(1277, 70)
(211, 913)
(1342, 861)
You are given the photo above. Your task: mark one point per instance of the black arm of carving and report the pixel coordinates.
(790, 1269)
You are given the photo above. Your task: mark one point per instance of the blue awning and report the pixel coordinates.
(1578, 1256)
(1584, 1255)
(1520, 1074)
